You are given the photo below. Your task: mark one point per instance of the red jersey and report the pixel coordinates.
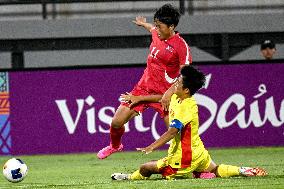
(163, 63)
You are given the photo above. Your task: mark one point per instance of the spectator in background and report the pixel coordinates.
(268, 49)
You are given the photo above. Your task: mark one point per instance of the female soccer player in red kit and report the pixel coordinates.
(168, 53)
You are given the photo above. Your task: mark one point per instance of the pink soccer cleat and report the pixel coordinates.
(251, 172)
(107, 151)
(203, 175)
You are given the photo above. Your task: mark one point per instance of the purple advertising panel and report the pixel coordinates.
(69, 111)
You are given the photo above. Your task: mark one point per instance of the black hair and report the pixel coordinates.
(267, 44)
(168, 15)
(193, 79)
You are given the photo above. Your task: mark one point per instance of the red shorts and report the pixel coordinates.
(168, 171)
(140, 107)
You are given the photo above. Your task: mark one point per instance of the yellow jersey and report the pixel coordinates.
(186, 146)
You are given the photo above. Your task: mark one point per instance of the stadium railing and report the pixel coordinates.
(45, 2)
(217, 35)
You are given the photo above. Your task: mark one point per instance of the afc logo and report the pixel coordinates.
(169, 48)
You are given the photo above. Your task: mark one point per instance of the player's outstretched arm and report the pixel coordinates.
(141, 21)
(166, 137)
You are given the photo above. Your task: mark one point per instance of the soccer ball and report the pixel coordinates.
(15, 170)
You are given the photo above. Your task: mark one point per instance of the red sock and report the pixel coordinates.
(115, 136)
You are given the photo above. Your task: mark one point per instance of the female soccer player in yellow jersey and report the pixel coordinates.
(186, 153)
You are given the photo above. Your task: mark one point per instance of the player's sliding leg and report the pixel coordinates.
(227, 171)
(124, 176)
(206, 169)
(252, 171)
(122, 116)
(203, 175)
(145, 171)
(230, 171)
(120, 176)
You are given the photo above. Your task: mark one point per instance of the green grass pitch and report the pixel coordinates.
(86, 171)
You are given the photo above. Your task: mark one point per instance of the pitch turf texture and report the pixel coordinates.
(86, 171)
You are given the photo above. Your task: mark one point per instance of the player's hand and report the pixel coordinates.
(140, 20)
(129, 98)
(165, 101)
(146, 150)
(126, 97)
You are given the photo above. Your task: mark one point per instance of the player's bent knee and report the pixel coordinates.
(122, 116)
(117, 123)
(144, 170)
(143, 167)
